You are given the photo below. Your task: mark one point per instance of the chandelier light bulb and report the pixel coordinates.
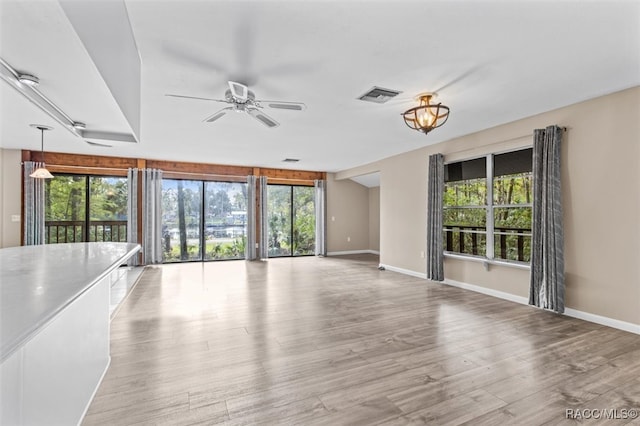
(426, 116)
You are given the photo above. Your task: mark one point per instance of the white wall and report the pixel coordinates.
(347, 215)
(601, 202)
(10, 198)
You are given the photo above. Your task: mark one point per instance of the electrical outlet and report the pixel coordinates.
(422, 254)
(333, 218)
(15, 218)
(348, 239)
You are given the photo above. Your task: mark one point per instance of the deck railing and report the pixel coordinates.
(467, 241)
(73, 231)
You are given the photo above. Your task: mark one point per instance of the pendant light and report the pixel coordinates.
(41, 172)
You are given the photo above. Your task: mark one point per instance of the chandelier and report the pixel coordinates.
(426, 116)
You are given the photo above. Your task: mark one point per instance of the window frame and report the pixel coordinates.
(292, 217)
(202, 238)
(490, 206)
(86, 219)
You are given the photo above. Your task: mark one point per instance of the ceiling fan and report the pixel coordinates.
(241, 99)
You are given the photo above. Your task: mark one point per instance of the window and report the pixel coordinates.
(487, 206)
(291, 220)
(85, 208)
(203, 220)
(225, 206)
(181, 220)
(465, 207)
(512, 205)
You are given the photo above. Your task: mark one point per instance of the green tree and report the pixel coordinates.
(240, 199)
(220, 203)
(108, 199)
(304, 226)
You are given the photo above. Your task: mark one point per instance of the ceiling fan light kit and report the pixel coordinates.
(241, 99)
(426, 116)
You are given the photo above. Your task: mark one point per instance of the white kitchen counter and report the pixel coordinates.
(37, 282)
(54, 328)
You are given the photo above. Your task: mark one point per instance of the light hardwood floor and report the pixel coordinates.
(331, 341)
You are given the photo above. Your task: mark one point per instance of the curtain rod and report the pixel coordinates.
(529, 135)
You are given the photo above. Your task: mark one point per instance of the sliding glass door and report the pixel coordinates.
(181, 220)
(203, 220)
(291, 220)
(225, 220)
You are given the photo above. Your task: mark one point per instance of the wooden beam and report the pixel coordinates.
(298, 175)
(117, 166)
(95, 161)
(199, 168)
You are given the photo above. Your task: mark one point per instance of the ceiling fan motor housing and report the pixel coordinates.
(241, 99)
(229, 96)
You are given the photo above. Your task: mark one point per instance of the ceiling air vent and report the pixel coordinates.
(379, 95)
(290, 160)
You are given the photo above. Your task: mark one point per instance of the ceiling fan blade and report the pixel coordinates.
(185, 55)
(239, 91)
(290, 68)
(291, 106)
(244, 36)
(196, 97)
(459, 78)
(262, 117)
(215, 116)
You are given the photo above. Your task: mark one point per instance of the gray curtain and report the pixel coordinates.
(33, 205)
(321, 221)
(132, 211)
(152, 215)
(250, 247)
(435, 191)
(547, 241)
(263, 251)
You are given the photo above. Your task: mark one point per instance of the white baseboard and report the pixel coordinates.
(609, 322)
(404, 271)
(574, 313)
(487, 291)
(343, 253)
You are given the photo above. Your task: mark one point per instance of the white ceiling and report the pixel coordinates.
(490, 61)
(370, 180)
